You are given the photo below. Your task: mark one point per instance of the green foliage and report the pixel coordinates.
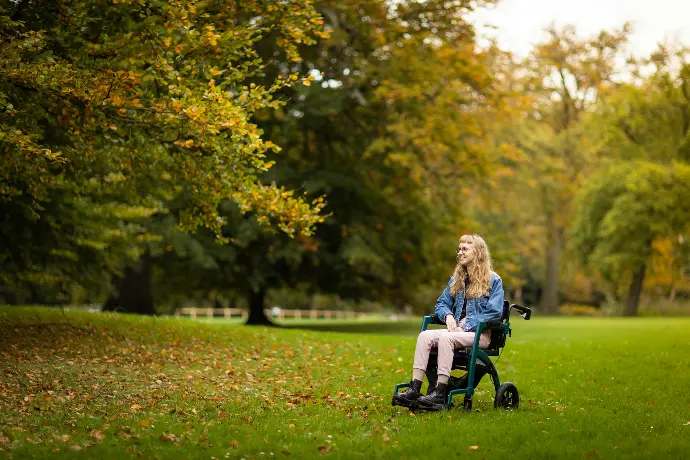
(624, 208)
(332, 147)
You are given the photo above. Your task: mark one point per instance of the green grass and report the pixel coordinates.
(118, 386)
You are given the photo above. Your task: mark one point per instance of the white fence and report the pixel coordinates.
(195, 312)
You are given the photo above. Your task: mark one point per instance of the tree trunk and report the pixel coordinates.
(132, 292)
(634, 292)
(7, 296)
(35, 297)
(517, 296)
(256, 309)
(672, 294)
(549, 299)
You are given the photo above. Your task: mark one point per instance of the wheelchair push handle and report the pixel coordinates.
(525, 312)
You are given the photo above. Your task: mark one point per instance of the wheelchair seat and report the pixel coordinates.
(498, 336)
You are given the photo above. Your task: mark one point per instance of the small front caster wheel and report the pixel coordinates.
(467, 404)
(507, 396)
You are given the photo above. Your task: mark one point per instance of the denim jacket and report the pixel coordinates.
(479, 309)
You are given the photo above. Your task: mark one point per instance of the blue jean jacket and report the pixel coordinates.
(479, 309)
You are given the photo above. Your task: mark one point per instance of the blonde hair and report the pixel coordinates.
(479, 270)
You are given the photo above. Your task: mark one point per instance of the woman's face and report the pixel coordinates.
(466, 253)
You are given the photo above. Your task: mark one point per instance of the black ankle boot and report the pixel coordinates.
(431, 388)
(436, 400)
(409, 396)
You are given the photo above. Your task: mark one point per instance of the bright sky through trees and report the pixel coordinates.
(520, 23)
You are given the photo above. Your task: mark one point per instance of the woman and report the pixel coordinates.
(474, 294)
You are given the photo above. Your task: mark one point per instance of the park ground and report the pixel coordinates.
(89, 385)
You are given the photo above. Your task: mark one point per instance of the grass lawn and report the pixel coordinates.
(116, 386)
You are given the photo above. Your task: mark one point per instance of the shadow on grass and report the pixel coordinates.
(406, 327)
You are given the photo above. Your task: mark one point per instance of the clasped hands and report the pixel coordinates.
(452, 324)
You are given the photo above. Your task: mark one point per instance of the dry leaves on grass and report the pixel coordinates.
(473, 448)
(130, 371)
(168, 437)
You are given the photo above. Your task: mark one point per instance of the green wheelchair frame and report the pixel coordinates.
(506, 394)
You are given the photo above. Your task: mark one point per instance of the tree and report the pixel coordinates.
(109, 111)
(565, 77)
(622, 210)
(389, 128)
(648, 125)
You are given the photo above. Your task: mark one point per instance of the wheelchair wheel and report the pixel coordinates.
(507, 396)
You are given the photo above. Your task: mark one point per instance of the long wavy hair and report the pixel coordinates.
(479, 271)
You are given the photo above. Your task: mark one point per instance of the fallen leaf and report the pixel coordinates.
(292, 425)
(135, 407)
(144, 423)
(4, 440)
(234, 443)
(551, 392)
(385, 437)
(75, 447)
(62, 437)
(124, 435)
(168, 437)
(97, 435)
(591, 452)
(473, 448)
(324, 449)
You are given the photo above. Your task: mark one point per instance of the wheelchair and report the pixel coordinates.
(476, 362)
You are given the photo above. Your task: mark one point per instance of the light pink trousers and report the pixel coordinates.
(446, 342)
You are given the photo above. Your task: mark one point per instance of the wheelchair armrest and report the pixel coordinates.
(431, 319)
(525, 312)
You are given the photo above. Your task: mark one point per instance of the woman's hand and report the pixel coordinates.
(451, 324)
